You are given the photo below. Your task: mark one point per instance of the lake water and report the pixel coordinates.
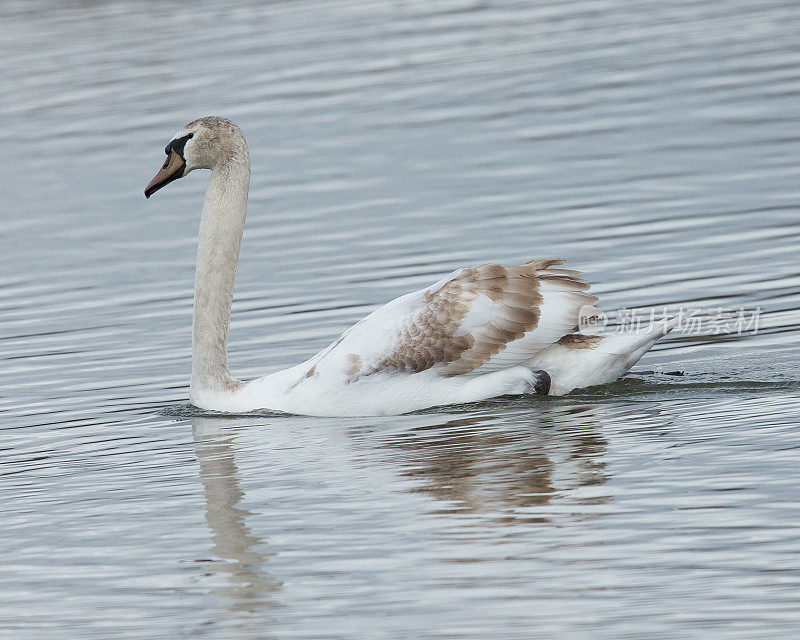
(653, 145)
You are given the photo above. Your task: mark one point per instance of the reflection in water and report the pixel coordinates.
(506, 463)
(236, 551)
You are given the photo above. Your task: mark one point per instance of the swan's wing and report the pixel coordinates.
(476, 320)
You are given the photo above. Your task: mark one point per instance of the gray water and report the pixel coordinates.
(653, 145)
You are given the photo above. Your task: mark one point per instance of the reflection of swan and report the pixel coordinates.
(503, 464)
(478, 333)
(234, 547)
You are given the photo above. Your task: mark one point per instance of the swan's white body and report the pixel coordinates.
(481, 332)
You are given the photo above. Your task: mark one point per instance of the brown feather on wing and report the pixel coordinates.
(433, 335)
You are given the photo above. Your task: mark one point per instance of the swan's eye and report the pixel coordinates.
(190, 136)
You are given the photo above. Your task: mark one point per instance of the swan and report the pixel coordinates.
(480, 332)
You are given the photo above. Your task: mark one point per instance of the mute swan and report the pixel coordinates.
(480, 332)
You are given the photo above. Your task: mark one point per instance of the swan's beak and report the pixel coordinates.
(171, 170)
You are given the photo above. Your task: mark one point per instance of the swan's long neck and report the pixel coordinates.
(221, 226)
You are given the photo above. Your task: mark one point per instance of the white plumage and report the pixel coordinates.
(481, 332)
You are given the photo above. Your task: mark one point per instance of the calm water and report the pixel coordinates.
(655, 147)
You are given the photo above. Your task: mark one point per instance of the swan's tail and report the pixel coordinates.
(578, 361)
(647, 338)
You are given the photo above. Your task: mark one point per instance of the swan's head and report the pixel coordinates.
(201, 144)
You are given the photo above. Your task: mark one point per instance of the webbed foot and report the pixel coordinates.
(542, 383)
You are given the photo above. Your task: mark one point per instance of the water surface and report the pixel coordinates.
(654, 147)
